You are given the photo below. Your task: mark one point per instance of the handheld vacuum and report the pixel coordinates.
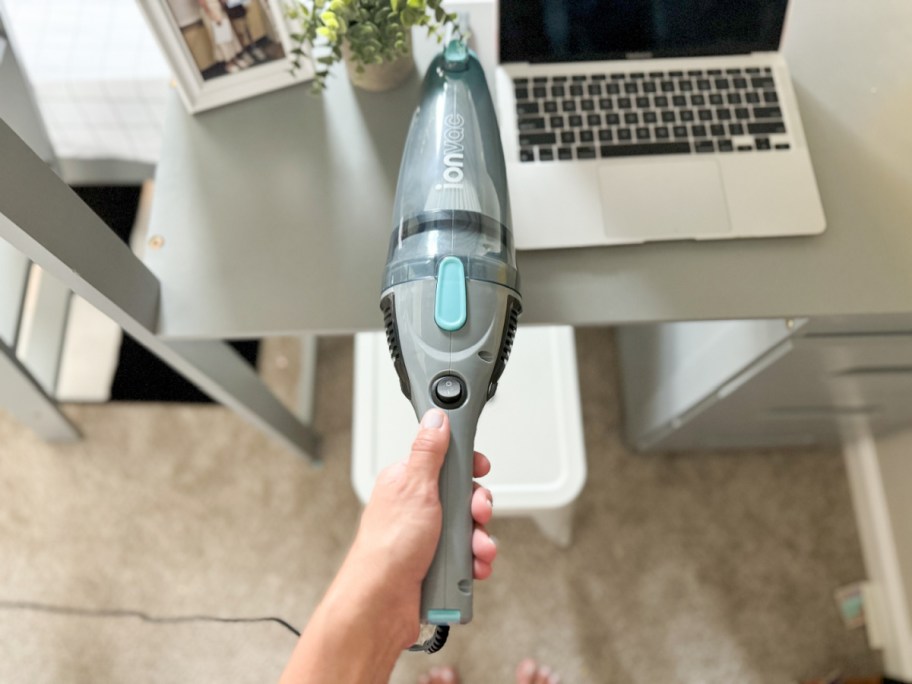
(450, 296)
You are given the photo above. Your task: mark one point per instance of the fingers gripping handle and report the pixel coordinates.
(446, 595)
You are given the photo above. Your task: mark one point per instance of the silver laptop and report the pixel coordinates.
(628, 121)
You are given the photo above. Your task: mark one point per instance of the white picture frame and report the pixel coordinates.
(204, 76)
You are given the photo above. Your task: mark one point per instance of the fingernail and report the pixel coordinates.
(432, 419)
(447, 676)
(529, 669)
(493, 539)
(490, 501)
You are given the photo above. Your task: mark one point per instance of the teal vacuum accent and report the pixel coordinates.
(450, 308)
(443, 617)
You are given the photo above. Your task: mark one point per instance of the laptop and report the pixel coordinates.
(630, 121)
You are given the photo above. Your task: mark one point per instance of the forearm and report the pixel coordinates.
(356, 634)
(371, 612)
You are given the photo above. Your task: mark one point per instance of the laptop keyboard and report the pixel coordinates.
(697, 111)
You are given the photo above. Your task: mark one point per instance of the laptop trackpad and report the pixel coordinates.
(662, 200)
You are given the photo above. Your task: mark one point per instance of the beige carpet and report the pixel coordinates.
(694, 568)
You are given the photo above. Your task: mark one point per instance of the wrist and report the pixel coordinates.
(366, 587)
(348, 638)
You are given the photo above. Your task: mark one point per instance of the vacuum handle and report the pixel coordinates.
(446, 594)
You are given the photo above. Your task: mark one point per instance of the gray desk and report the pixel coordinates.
(276, 212)
(274, 216)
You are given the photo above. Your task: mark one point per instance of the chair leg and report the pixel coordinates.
(217, 369)
(92, 262)
(24, 399)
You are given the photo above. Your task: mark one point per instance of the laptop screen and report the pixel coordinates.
(578, 30)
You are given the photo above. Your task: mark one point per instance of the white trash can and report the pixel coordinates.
(532, 430)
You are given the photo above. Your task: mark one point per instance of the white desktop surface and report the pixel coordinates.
(275, 212)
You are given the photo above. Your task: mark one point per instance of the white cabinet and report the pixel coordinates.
(763, 383)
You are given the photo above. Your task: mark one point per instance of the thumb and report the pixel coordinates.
(430, 445)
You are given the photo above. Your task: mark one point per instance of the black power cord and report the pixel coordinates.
(435, 642)
(145, 617)
(431, 645)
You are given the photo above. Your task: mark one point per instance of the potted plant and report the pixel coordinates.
(372, 36)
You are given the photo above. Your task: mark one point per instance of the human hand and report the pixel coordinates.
(370, 612)
(401, 524)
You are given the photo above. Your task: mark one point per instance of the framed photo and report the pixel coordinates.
(222, 51)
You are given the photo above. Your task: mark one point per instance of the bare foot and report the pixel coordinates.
(530, 672)
(439, 675)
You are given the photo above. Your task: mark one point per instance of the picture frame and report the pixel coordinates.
(222, 51)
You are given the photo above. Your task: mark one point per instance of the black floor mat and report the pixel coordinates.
(140, 376)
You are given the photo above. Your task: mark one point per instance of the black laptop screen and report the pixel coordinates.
(577, 30)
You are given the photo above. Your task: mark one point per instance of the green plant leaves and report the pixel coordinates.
(376, 30)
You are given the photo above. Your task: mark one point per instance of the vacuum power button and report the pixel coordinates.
(448, 391)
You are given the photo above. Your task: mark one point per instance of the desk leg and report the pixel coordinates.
(45, 220)
(22, 397)
(307, 378)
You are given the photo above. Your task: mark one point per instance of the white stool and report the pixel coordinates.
(532, 429)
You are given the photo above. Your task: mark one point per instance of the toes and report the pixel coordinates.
(482, 465)
(525, 671)
(482, 505)
(543, 676)
(483, 547)
(530, 672)
(439, 675)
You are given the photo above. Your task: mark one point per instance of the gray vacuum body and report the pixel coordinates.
(450, 294)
